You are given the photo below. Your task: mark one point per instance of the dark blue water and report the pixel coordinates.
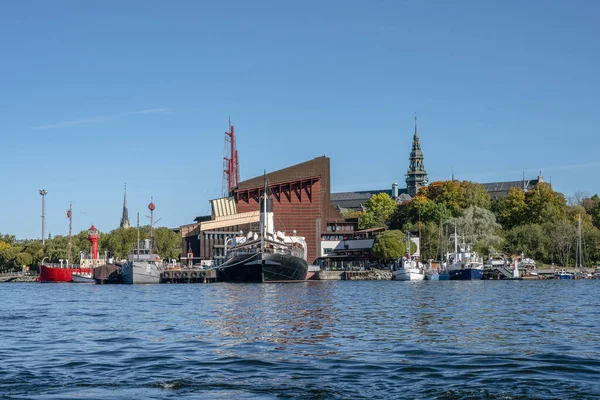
(314, 340)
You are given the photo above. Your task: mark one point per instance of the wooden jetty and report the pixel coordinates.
(186, 275)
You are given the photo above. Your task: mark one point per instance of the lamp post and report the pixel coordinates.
(43, 192)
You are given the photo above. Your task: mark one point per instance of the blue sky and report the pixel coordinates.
(96, 94)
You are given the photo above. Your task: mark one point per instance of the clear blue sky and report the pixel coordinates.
(96, 94)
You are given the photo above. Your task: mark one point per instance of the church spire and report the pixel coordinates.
(416, 175)
(125, 217)
(416, 134)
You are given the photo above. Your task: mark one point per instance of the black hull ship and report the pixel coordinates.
(268, 257)
(263, 267)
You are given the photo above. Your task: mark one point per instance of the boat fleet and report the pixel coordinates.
(265, 256)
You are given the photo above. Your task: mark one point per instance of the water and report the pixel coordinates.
(313, 340)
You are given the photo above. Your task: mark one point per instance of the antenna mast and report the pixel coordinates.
(231, 167)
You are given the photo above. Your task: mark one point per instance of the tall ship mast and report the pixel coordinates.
(231, 166)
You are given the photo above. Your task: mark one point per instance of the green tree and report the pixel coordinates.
(511, 210)
(593, 208)
(529, 239)
(478, 226)
(350, 214)
(474, 194)
(10, 239)
(544, 204)
(430, 239)
(419, 208)
(8, 258)
(3, 245)
(591, 245)
(448, 193)
(378, 210)
(562, 237)
(167, 243)
(389, 246)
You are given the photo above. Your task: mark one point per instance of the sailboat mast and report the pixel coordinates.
(138, 236)
(440, 242)
(455, 240)
(264, 218)
(70, 215)
(578, 253)
(419, 234)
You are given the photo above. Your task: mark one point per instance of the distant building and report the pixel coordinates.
(498, 190)
(416, 176)
(301, 202)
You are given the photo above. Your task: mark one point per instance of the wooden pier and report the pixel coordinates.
(188, 276)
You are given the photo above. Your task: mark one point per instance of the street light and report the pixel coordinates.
(43, 192)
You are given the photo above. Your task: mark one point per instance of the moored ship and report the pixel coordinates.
(143, 266)
(463, 264)
(268, 257)
(409, 270)
(60, 273)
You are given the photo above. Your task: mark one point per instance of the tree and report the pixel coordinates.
(530, 240)
(511, 209)
(478, 226)
(389, 246)
(167, 243)
(562, 236)
(591, 246)
(449, 193)
(592, 206)
(544, 204)
(350, 214)
(3, 245)
(474, 194)
(419, 208)
(10, 239)
(378, 210)
(430, 240)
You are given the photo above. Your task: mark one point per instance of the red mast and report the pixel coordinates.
(231, 176)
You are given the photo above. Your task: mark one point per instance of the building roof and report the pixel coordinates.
(316, 167)
(355, 200)
(500, 189)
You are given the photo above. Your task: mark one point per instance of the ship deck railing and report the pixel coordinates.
(253, 250)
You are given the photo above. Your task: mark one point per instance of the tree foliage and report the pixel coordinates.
(544, 204)
(389, 246)
(378, 210)
(528, 239)
(448, 193)
(474, 194)
(478, 227)
(511, 210)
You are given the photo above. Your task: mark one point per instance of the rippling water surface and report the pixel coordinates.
(320, 340)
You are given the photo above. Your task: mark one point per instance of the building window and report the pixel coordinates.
(327, 251)
(329, 228)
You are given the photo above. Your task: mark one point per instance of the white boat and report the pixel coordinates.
(463, 264)
(409, 270)
(83, 277)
